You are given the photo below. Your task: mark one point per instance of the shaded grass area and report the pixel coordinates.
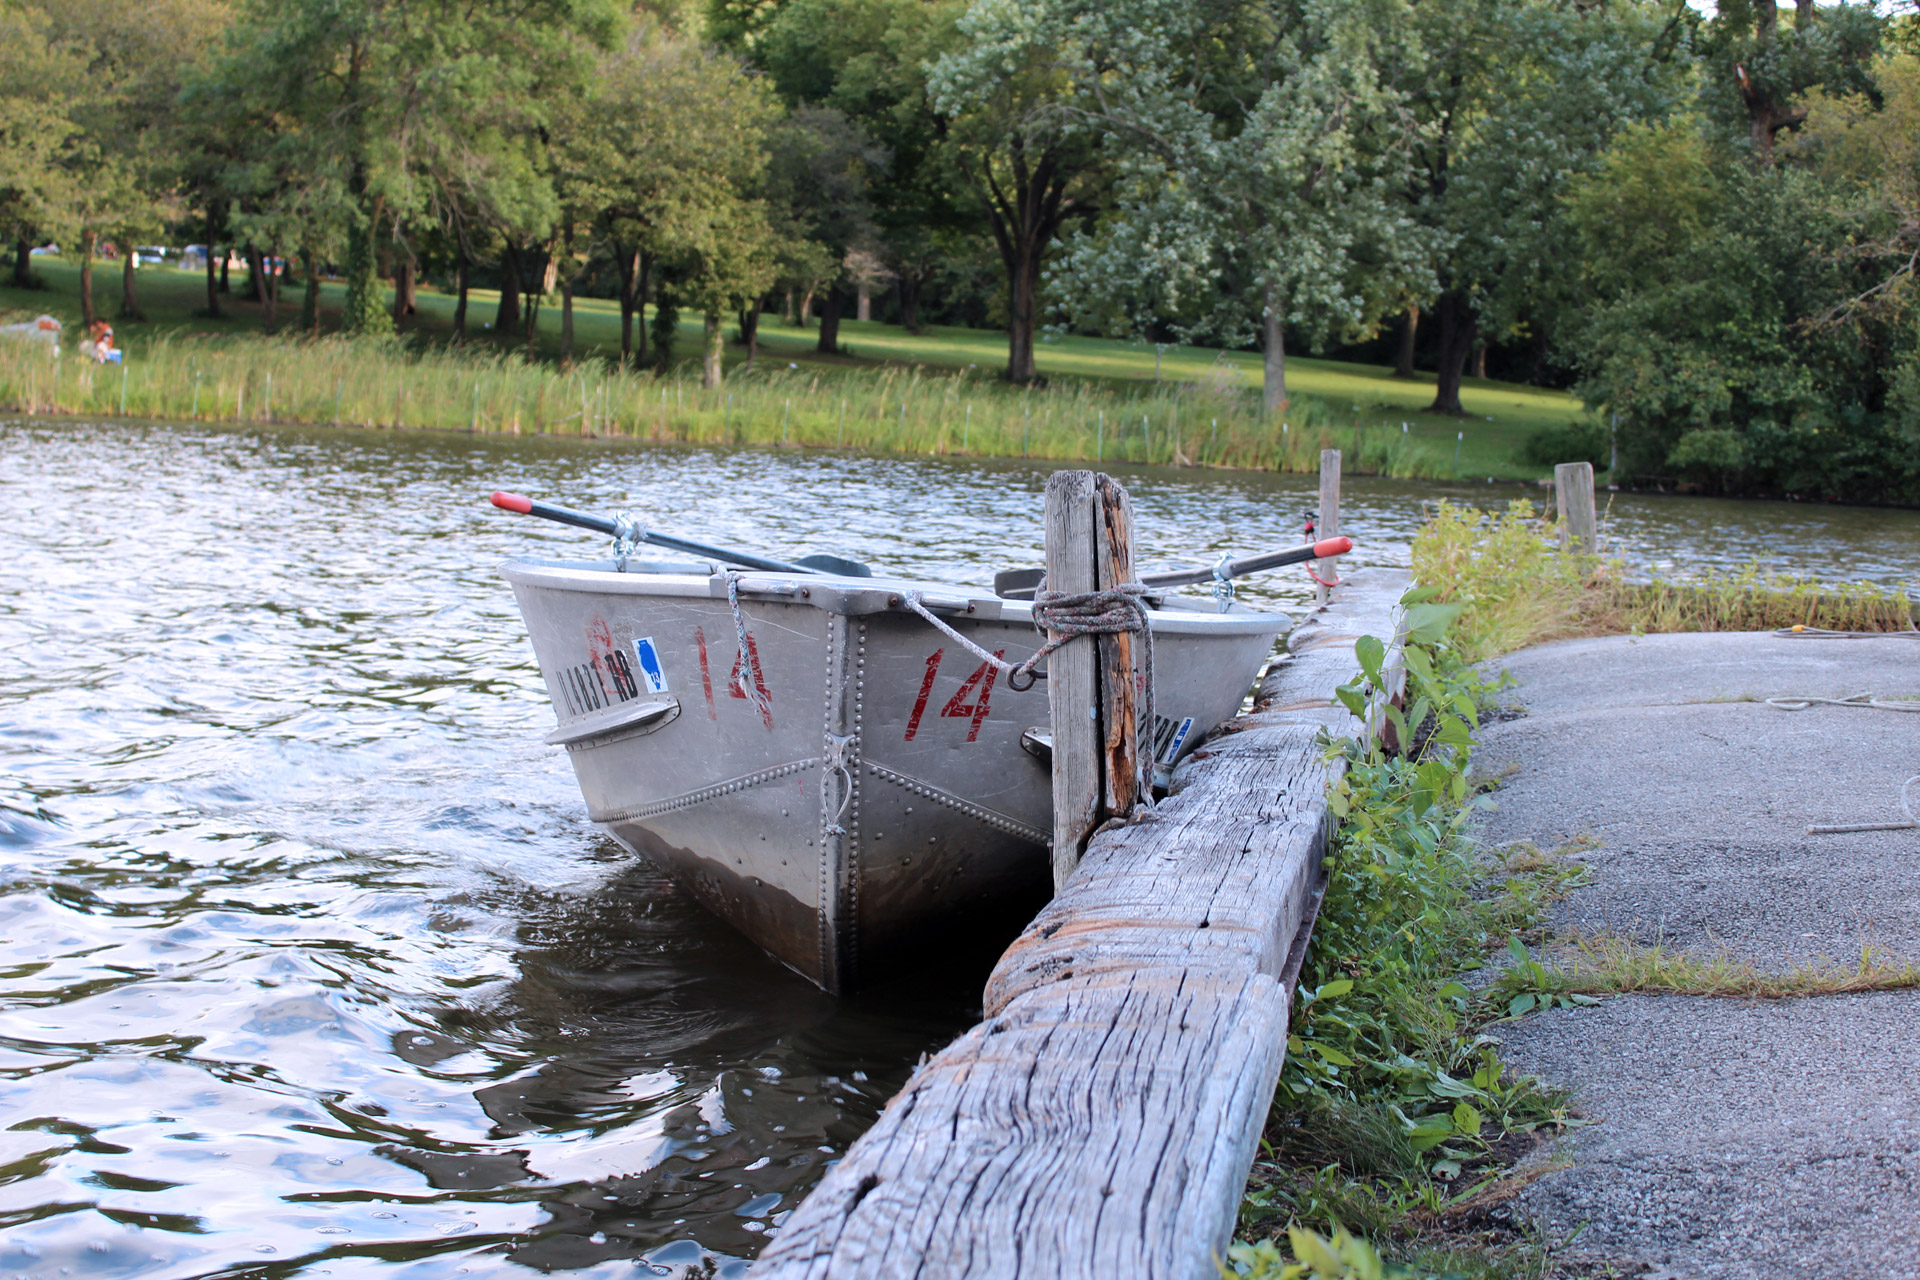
(1201, 397)
(1516, 587)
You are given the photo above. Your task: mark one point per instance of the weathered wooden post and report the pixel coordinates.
(1573, 494)
(1327, 525)
(1090, 687)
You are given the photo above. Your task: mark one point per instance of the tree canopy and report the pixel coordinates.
(1707, 223)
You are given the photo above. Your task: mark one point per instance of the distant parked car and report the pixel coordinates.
(150, 255)
(51, 250)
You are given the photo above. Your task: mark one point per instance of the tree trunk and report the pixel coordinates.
(806, 308)
(543, 274)
(129, 291)
(460, 273)
(270, 304)
(1274, 351)
(256, 274)
(663, 328)
(566, 321)
(506, 320)
(863, 310)
(829, 343)
(23, 262)
(1480, 361)
(87, 239)
(626, 260)
(213, 292)
(226, 262)
(310, 305)
(750, 328)
(710, 375)
(910, 301)
(405, 290)
(1023, 304)
(1458, 328)
(786, 309)
(1403, 367)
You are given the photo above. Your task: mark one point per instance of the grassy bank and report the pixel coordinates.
(392, 384)
(1182, 391)
(1516, 588)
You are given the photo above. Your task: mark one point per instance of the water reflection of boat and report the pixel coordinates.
(819, 766)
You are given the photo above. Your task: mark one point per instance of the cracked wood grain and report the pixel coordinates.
(1101, 1120)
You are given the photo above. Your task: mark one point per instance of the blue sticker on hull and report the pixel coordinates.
(650, 669)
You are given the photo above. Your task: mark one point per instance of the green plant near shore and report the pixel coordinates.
(1517, 587)
(387, 383)
(1395, 1115)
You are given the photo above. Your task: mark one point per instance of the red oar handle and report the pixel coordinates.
(1327, 548)
(513, 502)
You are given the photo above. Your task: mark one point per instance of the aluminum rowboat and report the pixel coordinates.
(860, 785)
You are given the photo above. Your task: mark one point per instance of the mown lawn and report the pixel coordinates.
(1502, 415)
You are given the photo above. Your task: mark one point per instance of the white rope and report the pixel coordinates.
(1821, 633)
(1065, 615)
(1868, 702)
(1865, 701)
(1906, 807)
(748, 687)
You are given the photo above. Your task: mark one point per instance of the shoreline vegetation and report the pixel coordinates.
(382, 383)
(1516, 588)
(888, 390)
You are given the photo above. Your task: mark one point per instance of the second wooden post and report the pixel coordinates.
(1327, 522)
(1091, 686)
(1573, 494)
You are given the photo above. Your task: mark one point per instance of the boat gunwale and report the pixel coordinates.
(856, 596)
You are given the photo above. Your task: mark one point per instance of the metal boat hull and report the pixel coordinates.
(873, 792)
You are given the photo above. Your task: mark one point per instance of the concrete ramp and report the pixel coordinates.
(1738, 1138)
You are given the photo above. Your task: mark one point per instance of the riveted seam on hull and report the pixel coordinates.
(745, 781)
(853, 781)
(998, 821)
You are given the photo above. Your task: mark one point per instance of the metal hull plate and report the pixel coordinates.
(853, 786)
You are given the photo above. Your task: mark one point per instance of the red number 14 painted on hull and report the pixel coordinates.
(978, 687)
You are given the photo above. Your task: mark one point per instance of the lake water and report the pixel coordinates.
(309, 962)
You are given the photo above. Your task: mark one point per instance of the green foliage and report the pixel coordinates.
(1258, 193)
(1314, 1257)
(1392, 1097)
(1528, 985)
(1506, 572)
(1516, 588)
(365, 312)
(1583, 441)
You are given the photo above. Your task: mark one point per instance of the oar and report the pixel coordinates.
(1020, 584)
(599, 524)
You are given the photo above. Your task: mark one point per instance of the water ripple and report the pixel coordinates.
(309, 963)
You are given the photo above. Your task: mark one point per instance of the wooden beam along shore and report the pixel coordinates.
(1102, 1119)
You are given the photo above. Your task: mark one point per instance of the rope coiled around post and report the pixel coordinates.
(1067, 615)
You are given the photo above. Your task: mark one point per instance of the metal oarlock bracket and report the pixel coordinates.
(627, 537)
(1223, 582)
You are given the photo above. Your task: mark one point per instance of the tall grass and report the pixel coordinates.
(389, 383)
(1519, 589)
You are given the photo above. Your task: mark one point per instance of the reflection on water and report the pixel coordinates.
(309, 963)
